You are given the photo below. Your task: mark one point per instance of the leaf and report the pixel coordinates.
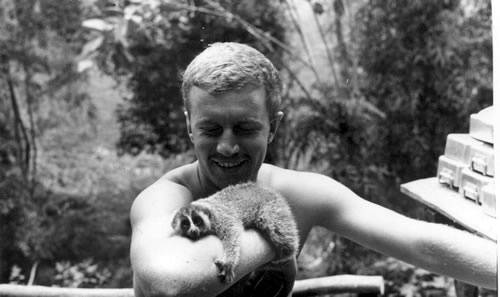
(318, 8)
(97, 24)
(83, 65)
(90, 47)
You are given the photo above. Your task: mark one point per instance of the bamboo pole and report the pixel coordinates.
(308, 287)
(8, 290)
(339, 284)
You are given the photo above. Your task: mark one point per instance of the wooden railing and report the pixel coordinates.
(373, 285)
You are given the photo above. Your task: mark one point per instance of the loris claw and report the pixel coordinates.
(225, 271)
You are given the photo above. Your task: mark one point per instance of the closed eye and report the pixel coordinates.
(244, 131)
(247, 129)
(211, 131)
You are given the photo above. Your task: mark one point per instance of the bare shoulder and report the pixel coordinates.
(181, 175)
(160, 199)
(304, 186)
(312, 196)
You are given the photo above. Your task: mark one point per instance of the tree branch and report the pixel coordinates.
(261, 35)
(292, 11)
(328, 54)
(29, 103)
(19, 124)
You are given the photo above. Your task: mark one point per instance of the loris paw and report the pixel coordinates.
(286, 252)
(225, 271)
(192, 221)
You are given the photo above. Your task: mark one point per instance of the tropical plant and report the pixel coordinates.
(148, 44)
(85, 274)
(428, 66)
(38, 41)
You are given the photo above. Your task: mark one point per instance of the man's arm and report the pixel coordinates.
(165, 264)
(436, 247)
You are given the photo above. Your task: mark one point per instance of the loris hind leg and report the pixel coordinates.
(229, 232)
(275, 221)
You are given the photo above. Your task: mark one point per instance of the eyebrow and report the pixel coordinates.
(207, 121)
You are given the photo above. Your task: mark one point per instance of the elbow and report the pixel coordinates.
(174, 267)
(155, 279)
(150, 284)
(161, 284)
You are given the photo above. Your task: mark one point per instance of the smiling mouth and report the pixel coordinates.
(228, 164)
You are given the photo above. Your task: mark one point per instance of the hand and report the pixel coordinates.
(274, 279)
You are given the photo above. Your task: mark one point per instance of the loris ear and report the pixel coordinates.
(206, 212)
(176, 221)
(274, 124)
(188, 125)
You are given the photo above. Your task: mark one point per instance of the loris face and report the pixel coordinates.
(192, 222)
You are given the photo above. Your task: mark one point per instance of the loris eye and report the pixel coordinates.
(197, 221)
(184, 224)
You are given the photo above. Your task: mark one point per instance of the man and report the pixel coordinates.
(232, 97)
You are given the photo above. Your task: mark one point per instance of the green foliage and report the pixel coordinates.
(36, 62)
(413, 72)
(155, 46)
(423, 68)
(16, 276)
(403, 279)
(82, 195)
(85, 274)
(428, 66)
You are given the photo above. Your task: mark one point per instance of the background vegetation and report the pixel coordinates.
(90, 114)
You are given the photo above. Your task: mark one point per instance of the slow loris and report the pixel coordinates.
(228, 212)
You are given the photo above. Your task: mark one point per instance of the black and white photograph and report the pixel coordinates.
(272, 148)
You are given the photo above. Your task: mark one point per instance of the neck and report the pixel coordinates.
(206, 187)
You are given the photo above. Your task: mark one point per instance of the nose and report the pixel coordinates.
(227, 145)
(194, 233)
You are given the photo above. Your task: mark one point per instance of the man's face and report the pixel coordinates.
(230, 133)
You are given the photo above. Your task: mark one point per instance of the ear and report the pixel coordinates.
(275, 122)
(188, 125)
(176, 221)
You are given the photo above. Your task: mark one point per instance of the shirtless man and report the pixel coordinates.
(232, 97)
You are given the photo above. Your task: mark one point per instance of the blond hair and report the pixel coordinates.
(230, 66)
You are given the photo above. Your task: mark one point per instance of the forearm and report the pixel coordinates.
(181, 267)
(435, 247)
(459, 254)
